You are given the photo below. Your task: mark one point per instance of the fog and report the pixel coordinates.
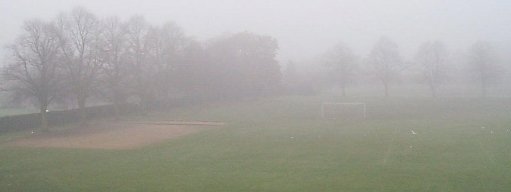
(303, 28)
(180, 47)
(255, 95)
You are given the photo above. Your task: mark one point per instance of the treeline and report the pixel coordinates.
(78, 56)
(433, 66)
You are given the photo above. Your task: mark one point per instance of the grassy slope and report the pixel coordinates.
(283, 145)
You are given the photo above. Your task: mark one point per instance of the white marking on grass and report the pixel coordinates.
(491, 132)
(483, 127)
(413, 132)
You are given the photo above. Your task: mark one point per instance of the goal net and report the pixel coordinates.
(346, 111)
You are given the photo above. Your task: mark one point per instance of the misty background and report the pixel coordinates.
(297, 95)
(304, 29)
(250, 48)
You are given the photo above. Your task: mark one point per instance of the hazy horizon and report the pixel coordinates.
(304, 29)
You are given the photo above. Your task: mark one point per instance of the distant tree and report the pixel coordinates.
(33, 72)
(193, 75)
(483, 61)
(244, 64)
(140, 70)
(290, 75)
(78, 55)
(299, 79)
(433, 57)
(386, 61)
(342, 62)
(79, 43)
(113, 73)
(153, 55)
(166, 50)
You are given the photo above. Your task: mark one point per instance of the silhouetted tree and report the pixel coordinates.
(113, 75)
(141, 71)
(386, 61)
(244, 64)
(194, 74)
(33, 72)
(167, 44)
(78, 55)
(79, 33)
(433, 57)
(342, 62)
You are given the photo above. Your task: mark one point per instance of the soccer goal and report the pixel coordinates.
(347, 111)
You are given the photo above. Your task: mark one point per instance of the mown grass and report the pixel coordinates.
(282, 144)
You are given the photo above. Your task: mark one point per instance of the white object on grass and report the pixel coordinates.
(333, 110)
(413, 132)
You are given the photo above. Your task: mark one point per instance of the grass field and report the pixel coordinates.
(282, 144)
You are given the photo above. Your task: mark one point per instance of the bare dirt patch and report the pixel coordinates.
(115, 135)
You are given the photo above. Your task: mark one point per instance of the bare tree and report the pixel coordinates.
(165, 52)
(114, 71)
(138, 31)
(244, 64)
(79, 43)
(343, 63)
(433, 57)
(385, 59)
(33, 72)
(482, 59)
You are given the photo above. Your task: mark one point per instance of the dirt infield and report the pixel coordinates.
(118, 135)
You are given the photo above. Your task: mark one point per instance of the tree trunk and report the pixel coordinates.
(82, 111)
(44, 118)
(145, 103)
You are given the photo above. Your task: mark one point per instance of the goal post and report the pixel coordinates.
(335, 110)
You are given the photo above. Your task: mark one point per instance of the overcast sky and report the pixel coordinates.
(304, 28)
